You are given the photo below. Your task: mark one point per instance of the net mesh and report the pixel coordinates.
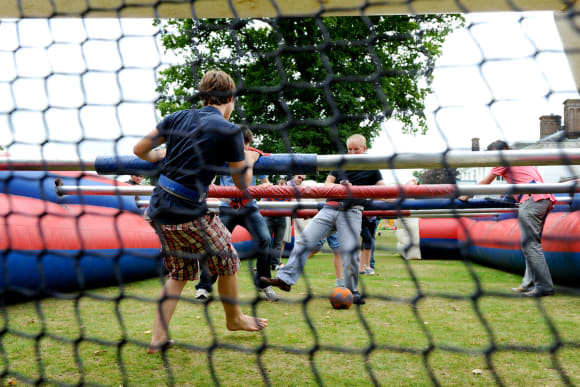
(83, 86)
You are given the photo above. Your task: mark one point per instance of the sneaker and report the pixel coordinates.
(535, 292)
(270, 294)
(521, 289)
(339, 283)
(277, 282)
(357, 298)
(369, 271)
(201, 294)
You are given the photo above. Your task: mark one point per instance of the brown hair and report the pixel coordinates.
(248, 135)
(498, 145)
(216, 88)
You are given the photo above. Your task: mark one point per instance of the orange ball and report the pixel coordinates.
(341, 298)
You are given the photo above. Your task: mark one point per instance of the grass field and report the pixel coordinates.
(397, 338)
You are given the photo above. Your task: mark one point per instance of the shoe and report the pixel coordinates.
(521, 289)
(201, 294)
(270, 294)
(339, 283)
(276, 282)
(538, 293)
(369, 271)
(357, 298)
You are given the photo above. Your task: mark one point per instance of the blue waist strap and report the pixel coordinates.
(179, 190)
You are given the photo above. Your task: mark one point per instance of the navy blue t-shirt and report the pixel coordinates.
(371, 177)
(199, 143)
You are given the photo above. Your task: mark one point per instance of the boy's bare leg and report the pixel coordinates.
(168, 301)
(337, 265)
(235, 319)
(365, 259)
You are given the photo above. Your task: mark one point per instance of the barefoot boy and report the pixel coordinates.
(198, 143)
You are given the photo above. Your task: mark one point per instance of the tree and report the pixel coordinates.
(436, 176)
(306, 84)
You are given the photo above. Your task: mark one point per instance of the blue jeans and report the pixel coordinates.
(277, 227)
(347, 223)
(332, 241)
(254, 222)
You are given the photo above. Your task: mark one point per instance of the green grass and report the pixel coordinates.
(397, 338)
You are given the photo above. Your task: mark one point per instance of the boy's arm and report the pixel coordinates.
(145, 148)
(486, 180)
(244, 180)
(330, 179)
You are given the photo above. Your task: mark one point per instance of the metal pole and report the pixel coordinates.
(104, 190)
(451, 159)
(39, 164)
(311, 163)
(309, 210)
(308, 205)
(342, 192)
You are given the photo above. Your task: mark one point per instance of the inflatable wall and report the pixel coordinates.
(496, 243)
(51, 244)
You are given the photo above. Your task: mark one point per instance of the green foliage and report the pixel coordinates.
(436, 176)
(306, 84)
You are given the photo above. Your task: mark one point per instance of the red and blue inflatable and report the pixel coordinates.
(496, 243)
(51, 244)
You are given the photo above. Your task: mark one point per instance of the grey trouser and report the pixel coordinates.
(531, 217)
(347, 223)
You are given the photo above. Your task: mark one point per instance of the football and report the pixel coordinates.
(341, 298)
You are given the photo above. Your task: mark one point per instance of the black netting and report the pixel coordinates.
(81, 268)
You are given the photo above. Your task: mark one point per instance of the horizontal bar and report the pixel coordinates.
(265, 8)
(338, 191)
(311, 164)
(451, 159)
(104, 190)
(308, 210)
(39, 164)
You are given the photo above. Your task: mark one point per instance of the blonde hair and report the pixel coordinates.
(358, 137)
(216, 88)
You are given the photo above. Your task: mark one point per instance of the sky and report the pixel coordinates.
(488, 84)
(67, 98)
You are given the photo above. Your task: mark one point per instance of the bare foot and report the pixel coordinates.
(154, 348)
(247, 323)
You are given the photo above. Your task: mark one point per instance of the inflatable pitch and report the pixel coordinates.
(496, 243)
(51, 244)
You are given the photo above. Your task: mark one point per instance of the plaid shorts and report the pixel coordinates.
(204, 240)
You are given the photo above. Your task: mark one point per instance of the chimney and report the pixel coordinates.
(475, 144)
(572, 118)
(549, 125)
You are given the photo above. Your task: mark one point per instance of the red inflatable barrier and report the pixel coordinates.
(497, 243)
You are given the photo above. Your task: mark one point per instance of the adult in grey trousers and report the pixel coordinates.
(531, 218)
(345, 221)
(534, 208)
(343, 216)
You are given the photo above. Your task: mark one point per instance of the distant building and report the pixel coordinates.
(553, 135)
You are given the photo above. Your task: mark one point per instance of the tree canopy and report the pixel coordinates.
(436, 176)
(306, 84)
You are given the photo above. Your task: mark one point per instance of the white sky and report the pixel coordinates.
(487, 84)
